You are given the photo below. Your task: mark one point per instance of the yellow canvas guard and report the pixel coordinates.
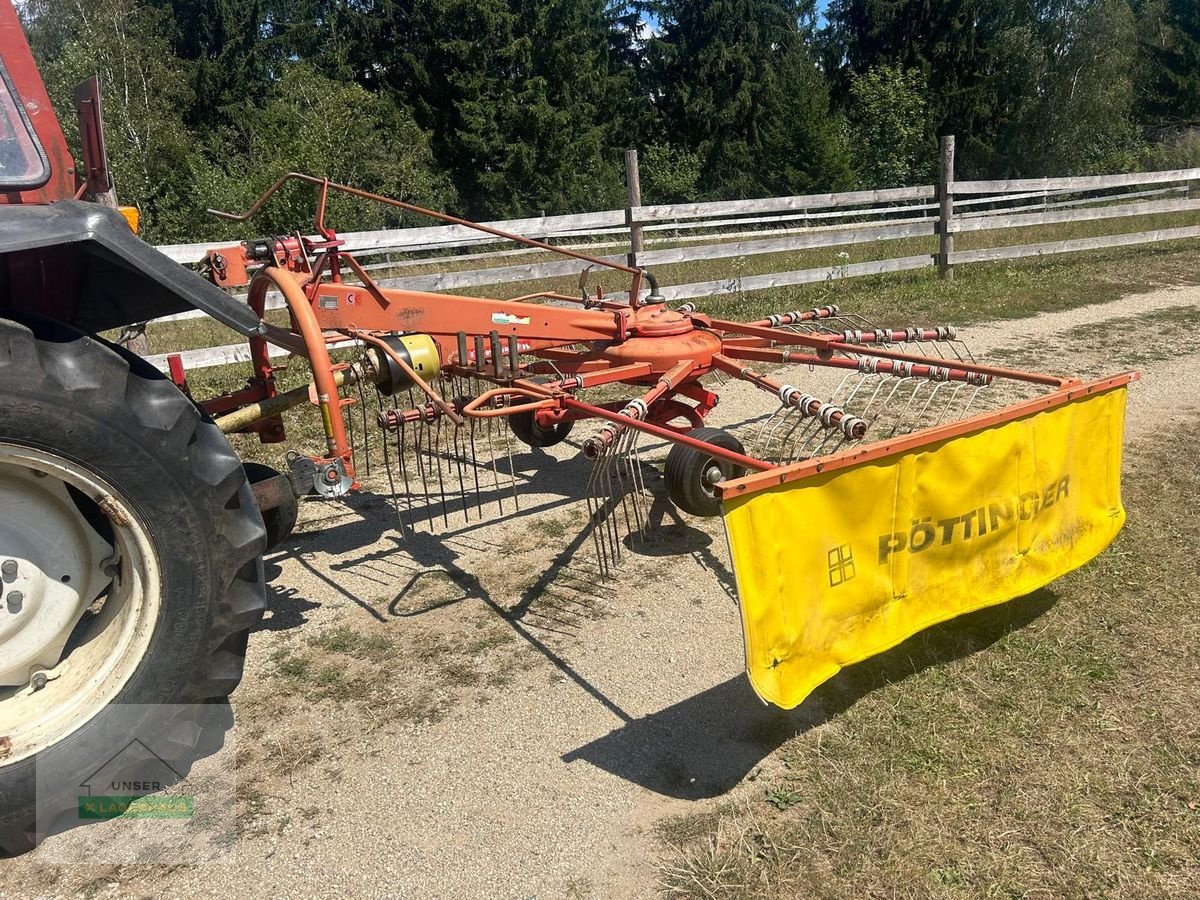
(849, 562)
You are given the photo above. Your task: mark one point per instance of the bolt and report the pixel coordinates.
(38, 680)
(9, 568)
(15, 599)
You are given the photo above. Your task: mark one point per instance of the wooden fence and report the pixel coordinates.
(669, 234)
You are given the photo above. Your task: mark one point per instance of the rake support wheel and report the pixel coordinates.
(530, 433)
(691, 474)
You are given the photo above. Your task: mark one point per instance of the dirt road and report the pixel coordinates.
(472, 712)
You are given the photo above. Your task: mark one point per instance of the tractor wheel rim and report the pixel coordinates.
(103, 590)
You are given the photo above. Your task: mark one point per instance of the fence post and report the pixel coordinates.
(946, 208)
(633, 185)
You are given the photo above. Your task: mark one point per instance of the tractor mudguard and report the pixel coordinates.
(121, 279)
(839, 559)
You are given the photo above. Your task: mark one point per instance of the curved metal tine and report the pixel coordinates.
(937, 389)
(401, 455)
(866, 412)
(512, 468)
(948, 405)
(970, 401)
(438, 454)
(491, 448)
(594, 512)
(899, 410)
(387, 468)
(610, 519)
(808, 427)
(459, 445)
(639, 482)
(762, 441)
(823, 447)
(459, 452)
(475, 470)
(620, 461)
(836, 396)
(789, 418)
(633, 490)
(906, 420)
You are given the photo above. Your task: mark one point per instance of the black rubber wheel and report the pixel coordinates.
(281, 520)
(690, 474)
(172, 480)
(530, 433)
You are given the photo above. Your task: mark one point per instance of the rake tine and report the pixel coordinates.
(459, 449)
(436, 460)
(512, 468)
(621, 458)
(639, 484)
(387, 467)
(475, 472)
(594, 513)
(610, 520)
(491, 440)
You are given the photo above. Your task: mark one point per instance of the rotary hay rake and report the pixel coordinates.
(897, 483)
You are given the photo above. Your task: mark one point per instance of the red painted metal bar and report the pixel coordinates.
(994, 371)
(326, 185)
(796, 317)
(741, 459)
(885, 367)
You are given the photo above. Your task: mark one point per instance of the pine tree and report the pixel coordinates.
(739, 87)
(974, 54)
(1170, 88)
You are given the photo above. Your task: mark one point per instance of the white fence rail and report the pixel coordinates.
(688, 232)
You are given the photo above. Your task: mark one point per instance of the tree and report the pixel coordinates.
(145, 88)
(737, 84)
(1083, 120)
(891, 131)
(1169, 82)
(302, 126)
(972, 53)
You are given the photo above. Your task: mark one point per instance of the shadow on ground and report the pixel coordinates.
(705, 745)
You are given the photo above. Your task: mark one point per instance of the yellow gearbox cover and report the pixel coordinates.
(846, 564)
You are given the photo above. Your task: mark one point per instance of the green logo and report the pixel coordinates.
(160, 807)
(129, 786)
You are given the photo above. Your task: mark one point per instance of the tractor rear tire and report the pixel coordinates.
(131, 465)
(690, 474)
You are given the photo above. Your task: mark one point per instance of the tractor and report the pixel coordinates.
(907, 484)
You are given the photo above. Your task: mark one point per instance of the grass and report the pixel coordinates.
(1058, 758)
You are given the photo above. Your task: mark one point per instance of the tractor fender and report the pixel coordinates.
(80, 263)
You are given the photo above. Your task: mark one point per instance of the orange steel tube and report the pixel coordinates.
(472, 409)
(318, 355)
(325, 185)
(666, 433)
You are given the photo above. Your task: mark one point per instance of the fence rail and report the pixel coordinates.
(669, 234)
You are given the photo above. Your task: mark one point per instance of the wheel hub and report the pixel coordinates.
(64, 656)
(51, 570)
